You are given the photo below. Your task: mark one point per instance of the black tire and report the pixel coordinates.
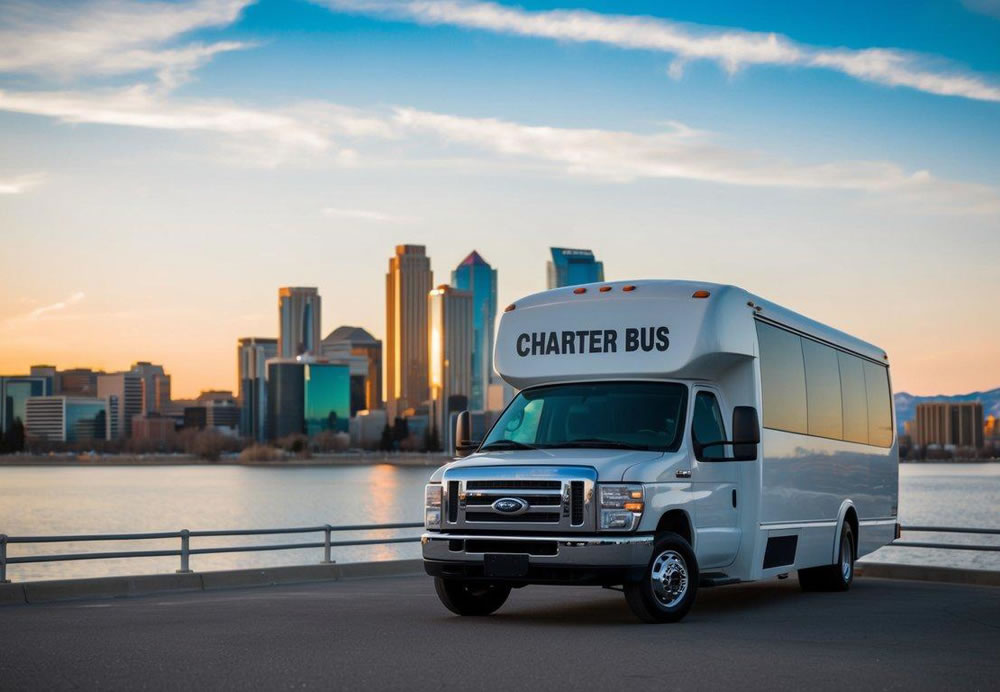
(838, 576)
(673, 560)
(471, 597)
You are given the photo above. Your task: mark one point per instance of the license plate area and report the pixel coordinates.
(499, 565)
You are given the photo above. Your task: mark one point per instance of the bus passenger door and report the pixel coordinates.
(716, 485)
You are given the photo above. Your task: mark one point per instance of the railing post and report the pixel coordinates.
(185, 548)
(326, 546)
(3, 559)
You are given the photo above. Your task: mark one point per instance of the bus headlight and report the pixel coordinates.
(621, 506)
(432, 505)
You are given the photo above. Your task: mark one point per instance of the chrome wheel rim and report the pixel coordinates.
(846, 563)
(669, 578)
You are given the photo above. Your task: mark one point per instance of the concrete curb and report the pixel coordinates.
(146, 585)
(950, 575)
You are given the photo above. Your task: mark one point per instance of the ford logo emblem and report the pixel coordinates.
(510, 505)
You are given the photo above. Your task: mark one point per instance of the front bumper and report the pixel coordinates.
(552, 559)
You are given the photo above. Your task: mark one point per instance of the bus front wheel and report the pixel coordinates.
(668, 587)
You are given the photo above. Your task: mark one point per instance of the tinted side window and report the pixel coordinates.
(707, 425)
(855, 397)
(782, 379)
(822, 390)
(879, 408)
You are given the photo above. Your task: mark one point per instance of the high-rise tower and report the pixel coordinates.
(477, 277)
(298, 321)
(407, 284)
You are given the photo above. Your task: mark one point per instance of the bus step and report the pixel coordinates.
(717, 579)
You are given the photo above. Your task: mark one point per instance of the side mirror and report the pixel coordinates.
(746, 436)
(463, 447)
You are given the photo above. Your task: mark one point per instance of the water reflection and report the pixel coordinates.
(71, 500)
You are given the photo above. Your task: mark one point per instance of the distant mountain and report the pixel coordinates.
(906, 404)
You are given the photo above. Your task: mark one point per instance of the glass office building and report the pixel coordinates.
(327, 397)
(474, 275)
(14, 394)
(570, 267)
(86, 420)
(285, 413)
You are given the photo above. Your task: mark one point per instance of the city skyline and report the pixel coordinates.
(841, 161)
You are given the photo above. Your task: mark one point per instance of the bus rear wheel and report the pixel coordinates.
(668, 587)
(471, 597)
(836, 577)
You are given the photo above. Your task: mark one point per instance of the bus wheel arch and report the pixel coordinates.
(848, 514)
(676, 521)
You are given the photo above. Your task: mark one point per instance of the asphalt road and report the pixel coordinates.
(391, 633)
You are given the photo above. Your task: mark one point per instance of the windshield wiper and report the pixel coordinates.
(598, 443)
(506, 444)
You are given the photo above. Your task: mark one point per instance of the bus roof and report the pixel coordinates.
(660, 329)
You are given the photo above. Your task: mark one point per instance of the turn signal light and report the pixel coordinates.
(580, 290)
(636, 494)
(633, 506)
(700, 294)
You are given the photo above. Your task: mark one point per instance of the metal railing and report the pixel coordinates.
(947, 546)
(186, 551)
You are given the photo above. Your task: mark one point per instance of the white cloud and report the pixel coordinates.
(363, 215)
(20, 184)
(731, 48)
(332, 133)
(111, 37)
(684, 153)
(55, 307)
(309, 127)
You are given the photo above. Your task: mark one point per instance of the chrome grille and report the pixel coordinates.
(550, 498)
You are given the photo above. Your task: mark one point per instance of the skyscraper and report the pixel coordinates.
(450, 342)
(407, 284)
(252, 354)
(126, 387)
(155, 386)
(298, 321)
(476, 276)
(569, 267)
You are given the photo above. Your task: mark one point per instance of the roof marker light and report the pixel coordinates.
(628, 288)
(700, 294)
(580, 290)
(509, 307)
(604, 289)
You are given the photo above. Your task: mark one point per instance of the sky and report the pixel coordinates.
(165, 167)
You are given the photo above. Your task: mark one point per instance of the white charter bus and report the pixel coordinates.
(668, 435)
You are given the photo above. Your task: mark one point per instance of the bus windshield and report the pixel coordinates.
(609, 415)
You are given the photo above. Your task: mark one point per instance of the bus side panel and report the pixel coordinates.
(806, 479)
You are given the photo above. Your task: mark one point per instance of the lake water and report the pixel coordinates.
(67, 500)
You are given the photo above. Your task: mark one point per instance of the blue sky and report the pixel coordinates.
(166, 166)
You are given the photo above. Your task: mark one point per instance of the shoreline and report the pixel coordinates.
(373, 459)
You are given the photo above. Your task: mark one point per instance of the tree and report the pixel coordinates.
(386, 443)
(15, 436)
